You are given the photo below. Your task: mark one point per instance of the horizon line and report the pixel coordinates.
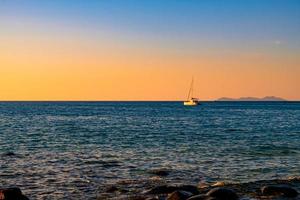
(216, 100)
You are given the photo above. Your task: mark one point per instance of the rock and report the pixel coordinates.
(111, 189)
(203, 185)
(218, 184)
(198, 197)
(12, 194)
(222, 194)
(155, 178)
(189, 188)
(160, 172)
(8, 154)
(152, 198)
(114, 189)
(293, 178)
(279, 190)
(165, 189)
(179, 195)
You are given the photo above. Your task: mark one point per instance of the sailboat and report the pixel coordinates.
(191, 101)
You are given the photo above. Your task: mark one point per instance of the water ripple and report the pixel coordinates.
(72, 150)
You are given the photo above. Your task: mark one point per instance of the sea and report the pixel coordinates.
(72, 150)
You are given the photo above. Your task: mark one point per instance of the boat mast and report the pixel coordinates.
(190, 95)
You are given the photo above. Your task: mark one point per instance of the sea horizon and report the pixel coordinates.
(141, 101)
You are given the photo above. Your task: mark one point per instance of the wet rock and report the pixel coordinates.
(179, 195)
(123, 198)
(152, 198)
(203, 185)
(12, 194)
(189, 188)
(293, 178)
(218, 184)
(222, 194)
(165, 189)
(9, 154)
(155, 178)
(279, 190)
(111, 189)
(137, 198)
(114, 189)
(160, 172)
(198, 197)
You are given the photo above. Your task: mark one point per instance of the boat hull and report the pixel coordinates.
(190, 103)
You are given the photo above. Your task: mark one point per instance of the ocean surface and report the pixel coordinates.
(70, 150)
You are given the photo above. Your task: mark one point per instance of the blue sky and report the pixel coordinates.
(233, 20)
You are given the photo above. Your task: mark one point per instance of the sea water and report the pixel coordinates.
(70, 150)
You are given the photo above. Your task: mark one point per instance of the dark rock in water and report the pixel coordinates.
(134, 197)
(10, 153)
(111, 189)
(222, 194)
(179, 195)
(165, 189)
(198, 197)
(279, 190)
(152, 198)
(189, 188)
(12, 194)
(160, 172)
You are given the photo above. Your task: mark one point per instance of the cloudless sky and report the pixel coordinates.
(148, 49)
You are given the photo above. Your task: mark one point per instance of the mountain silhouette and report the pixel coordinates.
(267, 98)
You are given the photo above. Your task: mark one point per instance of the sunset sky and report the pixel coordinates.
(148, 49)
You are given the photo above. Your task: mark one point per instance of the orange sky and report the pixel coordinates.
(38, 62)
(35, 68)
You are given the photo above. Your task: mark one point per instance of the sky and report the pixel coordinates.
(149, 49)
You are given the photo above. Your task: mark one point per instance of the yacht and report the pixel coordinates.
(191, 101)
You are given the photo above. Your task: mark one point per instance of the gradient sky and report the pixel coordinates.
(148, 49)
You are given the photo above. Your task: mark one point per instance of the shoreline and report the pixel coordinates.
(157, 189)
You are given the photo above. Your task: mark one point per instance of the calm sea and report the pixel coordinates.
(70, 150)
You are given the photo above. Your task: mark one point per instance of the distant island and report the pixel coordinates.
(267, 98)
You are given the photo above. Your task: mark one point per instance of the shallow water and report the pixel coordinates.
(70, 150)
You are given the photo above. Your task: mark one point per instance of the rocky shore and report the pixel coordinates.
(157, 189)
